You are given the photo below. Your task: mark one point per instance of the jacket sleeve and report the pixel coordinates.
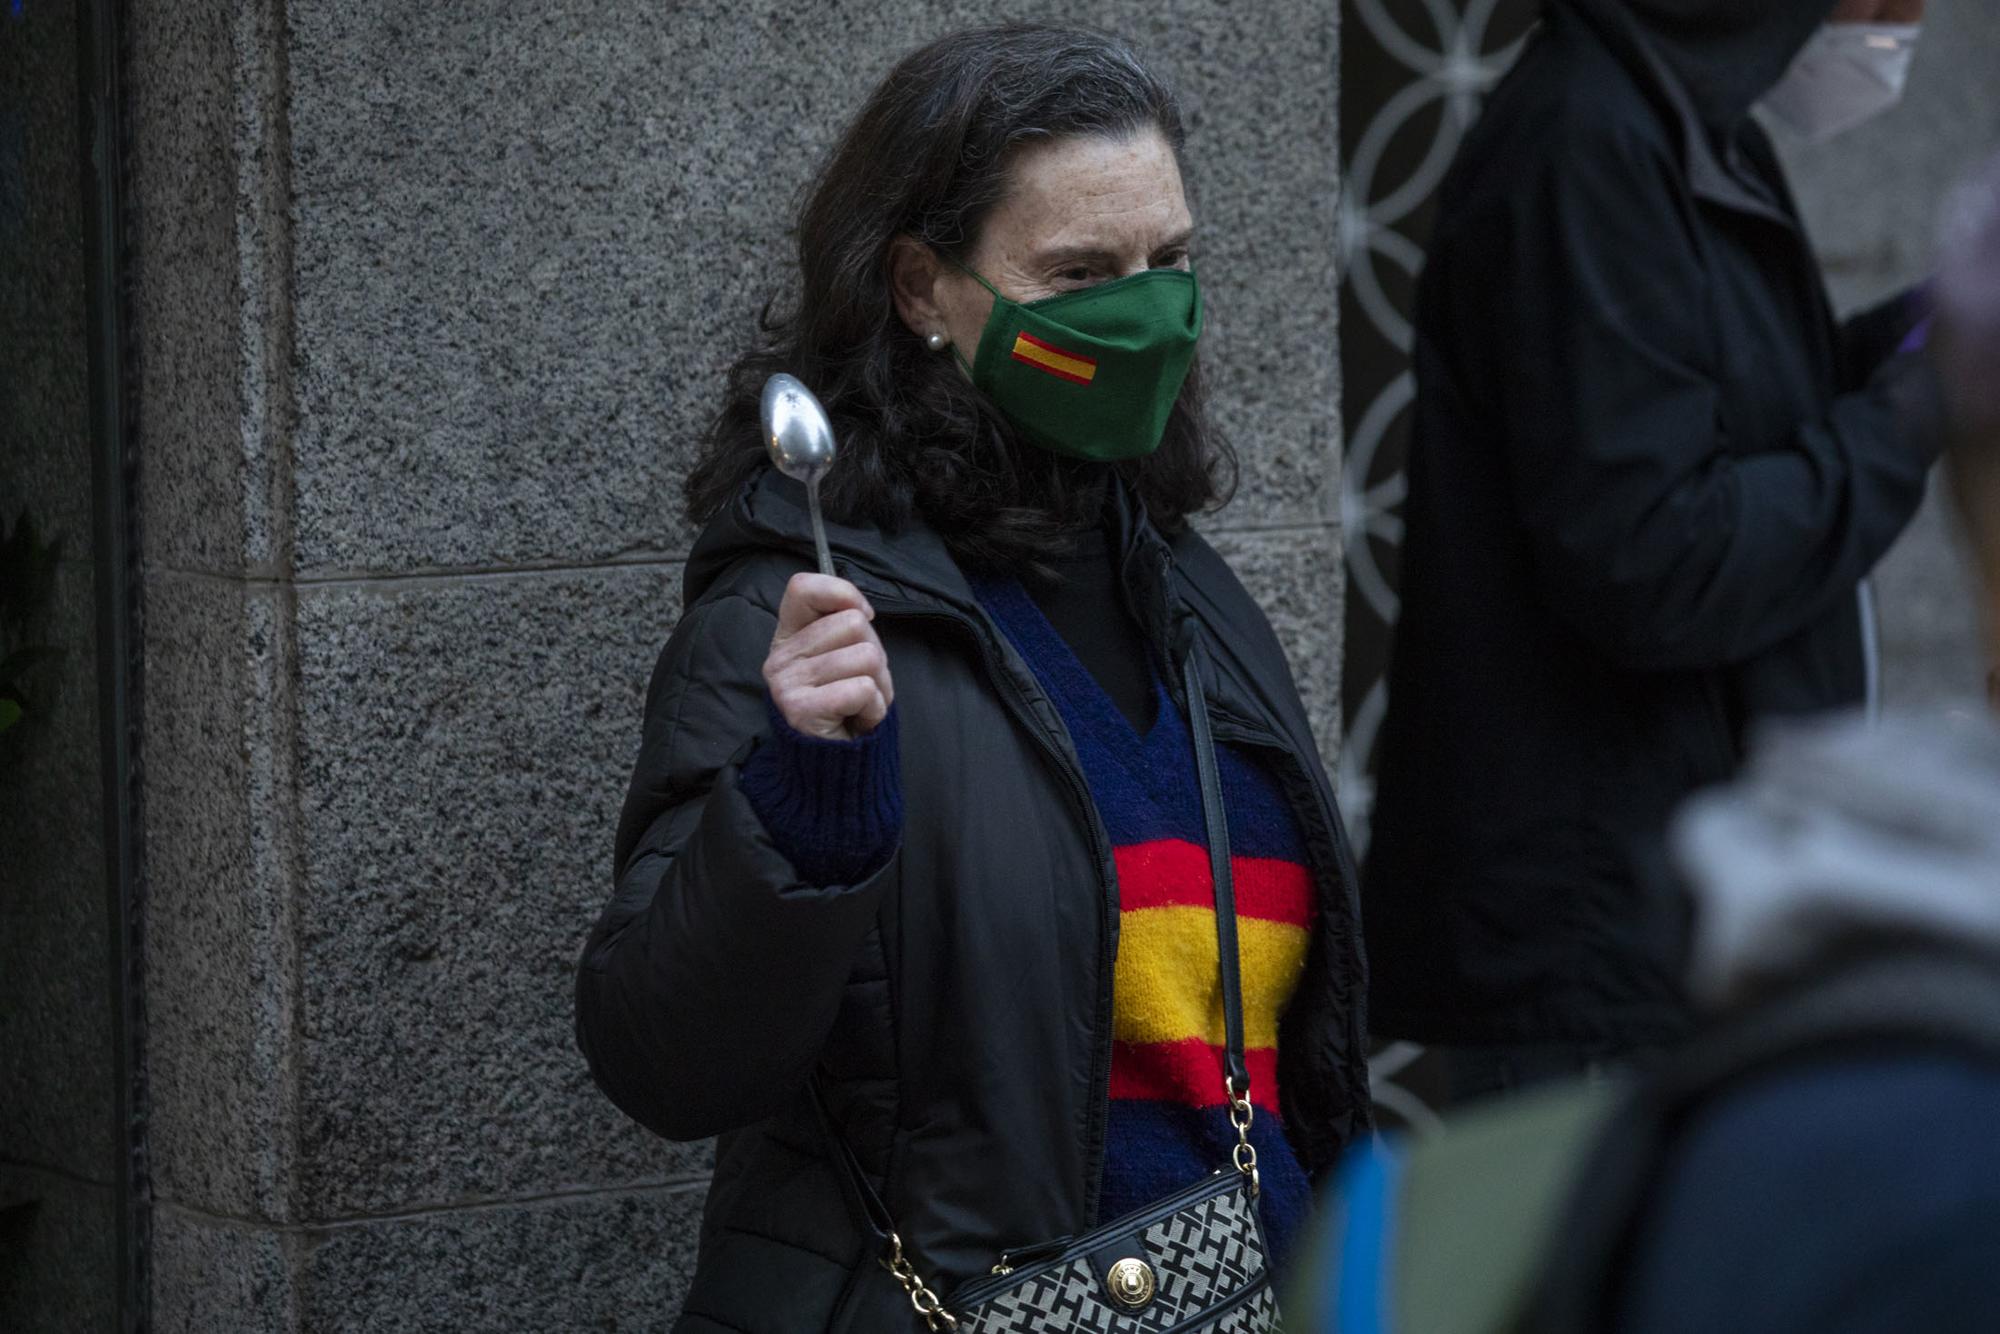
(1872, 336)
(834, 808)
(1661, 543)
(710, 982)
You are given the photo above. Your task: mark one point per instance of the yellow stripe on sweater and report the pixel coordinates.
(1167, 987)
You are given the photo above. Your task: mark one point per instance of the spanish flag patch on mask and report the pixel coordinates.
(1094, 373)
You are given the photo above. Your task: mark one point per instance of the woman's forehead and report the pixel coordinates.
(1093, 190)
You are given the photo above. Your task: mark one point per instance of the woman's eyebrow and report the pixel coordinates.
(1062, 257)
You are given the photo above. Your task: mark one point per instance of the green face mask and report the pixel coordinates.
(1093, 373)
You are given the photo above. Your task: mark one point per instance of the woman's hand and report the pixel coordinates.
(827, 672)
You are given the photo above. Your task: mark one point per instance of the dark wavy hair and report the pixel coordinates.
(929, 157)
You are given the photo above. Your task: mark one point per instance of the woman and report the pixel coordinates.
(912, 868)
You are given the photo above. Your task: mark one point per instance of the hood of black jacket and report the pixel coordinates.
(1724, 54)
(913, 564)
(770, 511)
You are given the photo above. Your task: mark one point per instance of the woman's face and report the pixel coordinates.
(1080, 211)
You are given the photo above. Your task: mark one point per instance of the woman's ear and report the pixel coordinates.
(914, 271)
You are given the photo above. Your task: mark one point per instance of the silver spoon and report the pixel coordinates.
(800, 440)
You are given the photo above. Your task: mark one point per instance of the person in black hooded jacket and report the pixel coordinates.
(1649, 476)
(877, 868)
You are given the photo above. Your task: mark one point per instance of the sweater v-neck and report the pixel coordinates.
(1083, 596)
(1095, 722)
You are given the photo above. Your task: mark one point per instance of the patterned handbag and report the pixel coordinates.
(1193, 1263)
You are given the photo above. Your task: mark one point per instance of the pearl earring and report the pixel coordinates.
(936, 342)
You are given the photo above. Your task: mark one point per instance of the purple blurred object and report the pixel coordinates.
(1919, 338)
(1967, 293)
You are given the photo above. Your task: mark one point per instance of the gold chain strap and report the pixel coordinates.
(1241, 1113)
(926, 1302)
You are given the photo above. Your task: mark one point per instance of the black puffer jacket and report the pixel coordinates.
(957, 1004)
(1648, 475)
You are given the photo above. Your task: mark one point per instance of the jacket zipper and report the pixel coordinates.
(1079, 793)
(1028, 1255)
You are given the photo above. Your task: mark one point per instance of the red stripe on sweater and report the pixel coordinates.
(1188, 1072)
(1173, 873)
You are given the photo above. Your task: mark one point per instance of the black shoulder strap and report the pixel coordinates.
(862, 1202)
(1216, 816)
(1915, 1000)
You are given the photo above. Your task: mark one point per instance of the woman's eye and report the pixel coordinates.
(1172, 259)
(1078, 274)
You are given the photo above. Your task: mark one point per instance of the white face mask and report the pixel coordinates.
(1848, 73)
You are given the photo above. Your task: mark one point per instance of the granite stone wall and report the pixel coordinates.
(58, 1133)
(1871, 199)
(433, 301)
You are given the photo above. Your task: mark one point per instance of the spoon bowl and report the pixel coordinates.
(799, 438)
(796, 430)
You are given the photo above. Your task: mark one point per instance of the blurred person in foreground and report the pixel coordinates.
(1854, 1188)
(1649, 475)
(1822, 1157)
(914, 904)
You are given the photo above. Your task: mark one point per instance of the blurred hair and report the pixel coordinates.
(929, 156)
(1968, 350)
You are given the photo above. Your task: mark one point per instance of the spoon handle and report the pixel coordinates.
(819, 528)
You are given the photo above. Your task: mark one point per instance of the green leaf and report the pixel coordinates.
(10, 713)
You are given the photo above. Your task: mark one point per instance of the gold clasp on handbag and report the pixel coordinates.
(1131, 1283)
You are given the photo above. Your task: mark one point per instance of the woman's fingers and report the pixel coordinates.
(885, 685)
(826, 634)
(799, 688)
(863, 659)
(827, 670)
(808, 597)
(874, 708)
(827, 711)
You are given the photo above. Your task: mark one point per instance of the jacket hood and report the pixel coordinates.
(770, 513)
(1725, 54)
(1842, 829)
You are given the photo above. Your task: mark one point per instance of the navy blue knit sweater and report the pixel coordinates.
(835, 809)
